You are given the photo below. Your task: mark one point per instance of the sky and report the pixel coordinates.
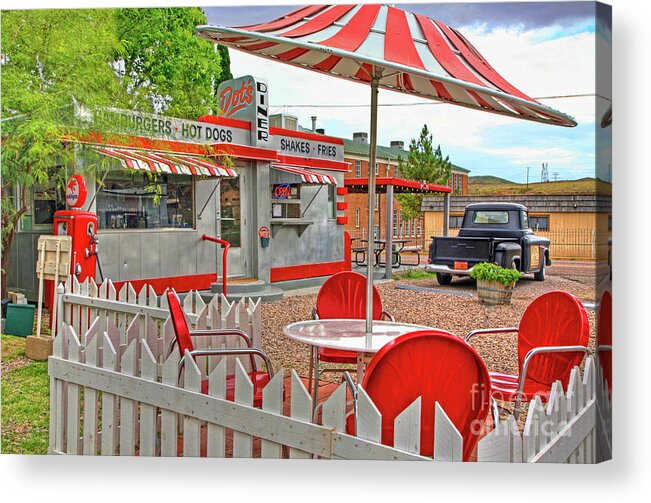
(544, 49)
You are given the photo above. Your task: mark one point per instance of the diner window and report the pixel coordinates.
(358, 169)
(539, 223)
(230, 216)
(357, 212)
(455, 221)
(332, 202)
(128, 200)
(286, 200)
(47, 198)
(490, 217)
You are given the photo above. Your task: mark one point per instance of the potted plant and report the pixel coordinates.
(494, 283)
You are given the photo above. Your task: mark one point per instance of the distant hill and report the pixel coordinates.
(487, 180)
(506, 188)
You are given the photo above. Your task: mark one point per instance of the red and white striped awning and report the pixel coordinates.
(171, 163)
(306, 175)
(416, 55)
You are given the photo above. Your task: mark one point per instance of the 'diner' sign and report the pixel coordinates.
(247, 98)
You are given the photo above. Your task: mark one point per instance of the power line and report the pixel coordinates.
(428, 103)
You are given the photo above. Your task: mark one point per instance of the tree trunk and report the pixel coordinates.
(8, 239)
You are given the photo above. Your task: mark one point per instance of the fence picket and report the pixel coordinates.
(300, 408)
(495, 446)
(109, 401)
(334, 409)
(242, 442)
(448, 443)
(272, 401)
(73, 398)
(148, 371)
(128, 408)
(407, 428)
(368, 422)
(90, 397)
(169, 426)
(191, 425)
(216, 433)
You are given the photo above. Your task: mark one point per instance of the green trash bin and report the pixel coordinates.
(20, 319)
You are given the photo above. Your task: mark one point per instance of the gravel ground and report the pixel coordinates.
(449, 312)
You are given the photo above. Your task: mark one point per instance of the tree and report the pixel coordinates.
(423, 163)
(165, 67)
(50, 59)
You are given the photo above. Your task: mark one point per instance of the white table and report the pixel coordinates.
(347, 335)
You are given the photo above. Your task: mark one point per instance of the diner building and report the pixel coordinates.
(165, 185)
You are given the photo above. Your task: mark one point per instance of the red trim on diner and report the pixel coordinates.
(308, 270)
(342, 205)
(225, 121)
(307, 162)
(397, 182)
(244, 151)
(342, 220)
(179, 283)
(118, 140)
(342, 191)
(307, 136)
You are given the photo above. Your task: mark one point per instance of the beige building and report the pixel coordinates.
(578, 226)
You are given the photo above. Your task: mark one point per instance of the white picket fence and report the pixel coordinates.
(115, 391)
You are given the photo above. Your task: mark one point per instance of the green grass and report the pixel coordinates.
(25, 400)
(415, 274)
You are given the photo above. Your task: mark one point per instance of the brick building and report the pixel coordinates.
(356, 153)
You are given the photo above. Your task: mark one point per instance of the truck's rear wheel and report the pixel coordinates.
(540, 275)
(443, 279)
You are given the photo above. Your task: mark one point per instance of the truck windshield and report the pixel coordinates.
(490, 217)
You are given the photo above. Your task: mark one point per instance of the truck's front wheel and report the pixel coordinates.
(443, 279)
(540, 275)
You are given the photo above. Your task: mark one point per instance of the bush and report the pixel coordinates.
(493, 272)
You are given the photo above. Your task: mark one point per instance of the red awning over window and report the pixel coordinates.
(306, 175)
(168, 162)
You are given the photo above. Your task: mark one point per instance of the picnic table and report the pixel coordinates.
(399, 246)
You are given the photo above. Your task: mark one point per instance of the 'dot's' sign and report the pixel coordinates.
(247, 98)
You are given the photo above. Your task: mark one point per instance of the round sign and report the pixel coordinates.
(76, 191)
(263, 232)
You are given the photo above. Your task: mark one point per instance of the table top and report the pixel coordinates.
(348, 334)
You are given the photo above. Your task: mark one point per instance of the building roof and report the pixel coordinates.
(383, 153)
(572, 203)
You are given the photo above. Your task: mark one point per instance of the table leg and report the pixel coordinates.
(315, 362)
(360, 368)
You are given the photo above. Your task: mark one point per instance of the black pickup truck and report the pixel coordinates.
(491, 232)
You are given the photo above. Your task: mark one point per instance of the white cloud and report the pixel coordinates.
(533, 61)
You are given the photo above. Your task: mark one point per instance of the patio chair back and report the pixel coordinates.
(605, 336)
(439, 367)
(554, 319)
(179, 323)
(343, 295)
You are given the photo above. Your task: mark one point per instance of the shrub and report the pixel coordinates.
(493, 272)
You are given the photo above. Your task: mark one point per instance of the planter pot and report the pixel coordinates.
(494, 292)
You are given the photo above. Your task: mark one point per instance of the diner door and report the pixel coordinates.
(233, 226)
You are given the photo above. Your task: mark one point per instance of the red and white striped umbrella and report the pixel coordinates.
(413, 54)
(387, 48)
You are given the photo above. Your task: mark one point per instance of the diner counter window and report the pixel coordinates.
(129, 200)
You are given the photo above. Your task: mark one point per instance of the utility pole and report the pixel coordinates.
(555, 176)
(527, 177)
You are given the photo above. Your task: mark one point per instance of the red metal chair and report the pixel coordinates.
(183, 340)
(343, 295)
(552, 338)
(605, 337)
(438, 367)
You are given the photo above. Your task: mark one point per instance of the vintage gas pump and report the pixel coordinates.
(82, 227)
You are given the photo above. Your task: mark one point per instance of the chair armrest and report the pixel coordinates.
(208, 333)
(483, 331)
(527, 359)
(605, 347)
(232, 352)
(315, 314)
(387, 315)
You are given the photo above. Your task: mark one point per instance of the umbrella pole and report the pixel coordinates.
(370, 252)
